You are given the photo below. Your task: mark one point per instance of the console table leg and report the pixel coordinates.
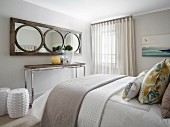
(76, 72)
(84, 70)
(25, 78)
(32, 89)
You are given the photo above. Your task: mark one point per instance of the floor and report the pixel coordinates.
(27, 121)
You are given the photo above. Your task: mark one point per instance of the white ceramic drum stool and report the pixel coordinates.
(18, 103)
(3, 100)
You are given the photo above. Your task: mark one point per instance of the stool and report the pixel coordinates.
(3, 100)
(18, 103)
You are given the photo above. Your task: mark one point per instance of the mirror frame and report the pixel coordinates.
(79, 47)
(13, 38)
(18, 45)
(45, 34)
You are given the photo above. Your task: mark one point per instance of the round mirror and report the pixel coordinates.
(72, 39)
(53, 40)
(28, 38)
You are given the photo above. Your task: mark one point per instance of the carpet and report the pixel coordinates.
(27, 121)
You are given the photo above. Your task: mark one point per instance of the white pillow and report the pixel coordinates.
(133, 88)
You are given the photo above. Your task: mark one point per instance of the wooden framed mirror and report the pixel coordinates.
(31, 38)
(73, 40)
(53, 39)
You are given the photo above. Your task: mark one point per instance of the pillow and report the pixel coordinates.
(166, 103)
(168, 63)
(155, 83)
(132, 89)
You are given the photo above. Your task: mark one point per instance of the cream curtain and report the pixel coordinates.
(113, 49)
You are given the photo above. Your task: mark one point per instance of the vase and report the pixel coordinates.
(62, 51)
(69, 56)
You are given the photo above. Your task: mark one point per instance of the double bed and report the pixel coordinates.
(95, 101)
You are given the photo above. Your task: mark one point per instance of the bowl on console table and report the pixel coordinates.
(55, 60)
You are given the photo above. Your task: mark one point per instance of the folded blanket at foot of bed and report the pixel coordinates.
(64, 102)
(93, 105)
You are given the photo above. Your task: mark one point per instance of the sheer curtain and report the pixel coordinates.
(113, 49)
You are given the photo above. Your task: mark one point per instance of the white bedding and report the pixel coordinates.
(113, 112)
(118, 114)
(39, 106)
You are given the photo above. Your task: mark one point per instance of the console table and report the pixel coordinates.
(44, 67)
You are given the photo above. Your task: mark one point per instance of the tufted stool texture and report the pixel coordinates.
(18, 103)
(3, 100)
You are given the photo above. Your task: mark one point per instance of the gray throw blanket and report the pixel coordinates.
(64, 101)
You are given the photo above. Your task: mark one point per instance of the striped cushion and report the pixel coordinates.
(166, 103)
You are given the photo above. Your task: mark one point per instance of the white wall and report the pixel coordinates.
(12, 67)
(150, 24)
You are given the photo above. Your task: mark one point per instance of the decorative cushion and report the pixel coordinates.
(132, 89)
(168, 63)
(166, 103)
(155, 83)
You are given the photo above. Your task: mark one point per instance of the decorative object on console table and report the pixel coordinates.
(18, 102)
(65, 60)
(68, 53)
(3, 100)
(54, 49)
(60, 49)
(55, 60)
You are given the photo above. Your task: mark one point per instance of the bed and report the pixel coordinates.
(100, 105)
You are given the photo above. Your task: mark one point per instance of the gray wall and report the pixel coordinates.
(12, 67)
(150, 24)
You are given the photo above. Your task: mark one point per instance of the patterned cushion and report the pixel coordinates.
(166, 103)
(168, 63)
(155, 83)
(132, 89)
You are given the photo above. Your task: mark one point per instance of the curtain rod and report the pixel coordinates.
(111, 20)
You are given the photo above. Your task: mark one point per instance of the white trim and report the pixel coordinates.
(152, 11)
